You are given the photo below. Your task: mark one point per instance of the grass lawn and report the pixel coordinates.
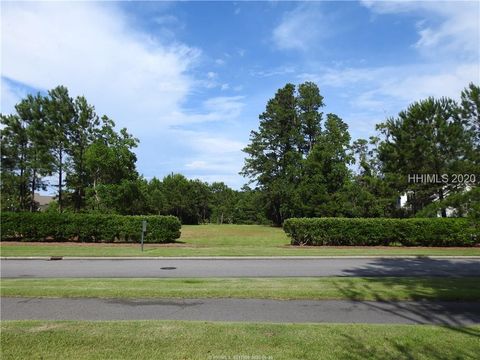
(260, 288)
(220, 240)
(235, 341)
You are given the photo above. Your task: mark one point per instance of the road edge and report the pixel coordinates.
(433, 257)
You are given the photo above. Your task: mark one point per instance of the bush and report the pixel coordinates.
(87, 227)
(381, 231)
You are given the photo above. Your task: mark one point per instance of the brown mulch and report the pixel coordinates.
(183, 245)
(83, 244)
(372, 247)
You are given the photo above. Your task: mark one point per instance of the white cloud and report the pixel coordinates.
(214, 144)
(139, 81)
(370, 95)
(214, 158)
(448, 35)
(207, 149)
(301, 28)
(343, 76)
(90, 48)
(278, 71)
(457, 31)
(212, 75)
(211, 81)
(221, 166)
(387, 87)
(197, 164)
(222, 108)
(449, 82)
(231, 105)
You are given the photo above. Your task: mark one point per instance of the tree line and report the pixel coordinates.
(300, 162)
(60, 141)
(63, 138)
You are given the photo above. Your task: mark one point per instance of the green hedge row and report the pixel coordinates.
(87, 227)
(380, 231)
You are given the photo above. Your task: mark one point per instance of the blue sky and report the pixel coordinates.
(189, 79)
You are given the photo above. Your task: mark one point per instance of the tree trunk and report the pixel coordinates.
(311, 139)
(97, 199)
(440, 198)
(60, 173)
(21, 188)
(277, 215)
(32, 200)
(23, 185)
(80, 190)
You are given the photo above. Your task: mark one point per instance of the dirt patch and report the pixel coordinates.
(46, 327)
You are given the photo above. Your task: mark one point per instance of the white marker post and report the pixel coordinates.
(144, 229)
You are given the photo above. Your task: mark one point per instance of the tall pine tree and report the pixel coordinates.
(287, 132)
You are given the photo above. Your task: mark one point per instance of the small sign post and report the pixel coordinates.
(144, 229)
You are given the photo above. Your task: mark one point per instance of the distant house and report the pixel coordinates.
(43, 201)
(402, 202)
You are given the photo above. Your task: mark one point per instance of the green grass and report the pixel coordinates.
(260, 288)
(235, 341)
(221, 240)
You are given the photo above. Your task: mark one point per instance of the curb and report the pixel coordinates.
(346, 257)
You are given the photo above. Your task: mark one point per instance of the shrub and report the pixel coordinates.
(87, 227)
(381, 231)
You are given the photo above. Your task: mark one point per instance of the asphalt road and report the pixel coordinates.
(238, 268)
(299, 311)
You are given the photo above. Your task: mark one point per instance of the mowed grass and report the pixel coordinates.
(206, 340)
(384, 289)
(220, 240)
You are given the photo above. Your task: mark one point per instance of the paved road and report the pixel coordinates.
(239, 268)
(447, 313)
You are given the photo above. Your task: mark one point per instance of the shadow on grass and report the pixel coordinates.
(422, 311)
(358, 350)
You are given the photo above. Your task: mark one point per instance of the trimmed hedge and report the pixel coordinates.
(87, 227)
(381, 231)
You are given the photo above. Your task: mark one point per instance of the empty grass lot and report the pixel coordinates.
(206, 340)
(384, 289)
(220, 240)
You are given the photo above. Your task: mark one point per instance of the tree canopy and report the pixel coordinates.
(299, 163)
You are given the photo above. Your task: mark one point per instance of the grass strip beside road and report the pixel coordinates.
(381, 289)
(222, 240)
(124, 250)
(217, 341)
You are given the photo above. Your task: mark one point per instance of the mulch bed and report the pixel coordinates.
(374, 247)
(83, 244)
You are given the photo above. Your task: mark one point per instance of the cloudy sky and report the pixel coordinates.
(189, 79)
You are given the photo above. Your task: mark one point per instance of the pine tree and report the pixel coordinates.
(60, 112)
(427, 138)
